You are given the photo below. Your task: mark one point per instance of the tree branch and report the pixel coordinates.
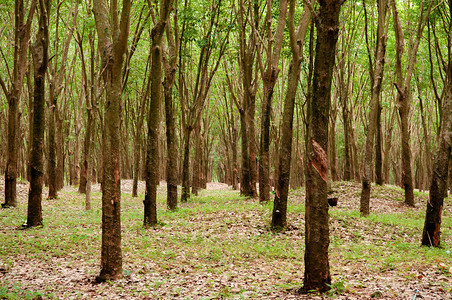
(315, 16)
(5, 90)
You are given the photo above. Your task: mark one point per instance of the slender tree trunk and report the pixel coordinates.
(428, 153)
(438, 189)
(264, 166)
(59, 152)
(248, 53)
(387, 145)
(245, 185)
(11, 162)
(332, 146)
(171, 159)
(186, 167)
(55, 172)
(235, 168)
(407, 177)
(40, 63)
(139, 132)
(269, 80)
(112, 40)
(22, 33)
(347, 143)
(89, 155)
(51, 163)
(252, 144)
(376, 84)
(317, 272)
(450, 177)
(136, 166)
(152, 159)
(197, 170)
(279, 215)
(403, 86)
(378, 148)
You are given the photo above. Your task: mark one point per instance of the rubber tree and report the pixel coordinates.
(57, 72)
(152, 153)
(112, 33)
(279, 214)
(170, 67)
(40, 54)
(438, 188)
(317, 272)
(22, 35)
(376, 75)
(269, 78)
(403, 86)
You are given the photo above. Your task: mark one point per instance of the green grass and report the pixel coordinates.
(218, 241)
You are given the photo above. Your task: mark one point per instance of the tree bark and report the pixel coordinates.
(171, 159)
(22, 33)
(51, 161)
(112, 40)
(379, 148)
(332, 145)
(56, 75)
(376, 84)
(40, 63)
(185, 167)
(248, 49)
(245, 179)
(438, 189)
(317, 272)
(270, 76)
(152, 159)
(279, 215)
(171, 138)
(403, 86)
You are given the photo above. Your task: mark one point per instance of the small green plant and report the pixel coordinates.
(336, 288)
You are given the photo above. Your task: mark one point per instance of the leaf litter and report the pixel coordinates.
(219, 245)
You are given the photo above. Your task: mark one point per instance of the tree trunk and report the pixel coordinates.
(186, 167)
(252, 144)
(407, 177)
(196, 169)
(40, 63)
(171, 158)
(270, 76)
(11, 163)
(55, 172)
(22, 35)
(152, 159)
(59, 152)
(378, 148)
(438, 188)
(136, 165)
(347, 143)
(112, 42)
(245, 179)
(403, 86)
(264, 166)
(279, 215)
(51, 162)
(376, 84)
(317, 272)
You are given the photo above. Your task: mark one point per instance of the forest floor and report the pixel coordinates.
(218, 245)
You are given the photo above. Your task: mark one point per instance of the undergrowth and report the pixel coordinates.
(218, 245)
